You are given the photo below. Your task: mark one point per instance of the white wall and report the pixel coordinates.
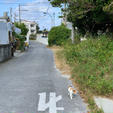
(4, 38)
(28, 25)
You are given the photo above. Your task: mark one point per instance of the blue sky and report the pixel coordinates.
(33, 11)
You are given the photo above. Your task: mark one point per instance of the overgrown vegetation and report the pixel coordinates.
(92, 62)
(58, 35)
(20, 38)
(93, 107)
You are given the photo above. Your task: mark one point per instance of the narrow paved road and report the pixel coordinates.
(30, 83)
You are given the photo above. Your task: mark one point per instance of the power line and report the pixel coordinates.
(48, 7)
(22, 3)
(7, 3)
(31, 11)
(35, 3)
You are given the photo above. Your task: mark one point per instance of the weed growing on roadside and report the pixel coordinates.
(93, 61)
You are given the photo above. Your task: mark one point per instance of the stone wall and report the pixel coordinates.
(5, 52)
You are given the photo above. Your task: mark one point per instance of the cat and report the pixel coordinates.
(72, 92)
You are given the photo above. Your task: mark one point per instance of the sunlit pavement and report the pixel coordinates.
(30, 83)
(42, 40)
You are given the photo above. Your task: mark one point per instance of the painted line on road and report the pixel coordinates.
(53, 99)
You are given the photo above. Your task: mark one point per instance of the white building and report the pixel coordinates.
(31, 25)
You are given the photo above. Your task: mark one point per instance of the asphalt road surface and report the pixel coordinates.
(30, 83)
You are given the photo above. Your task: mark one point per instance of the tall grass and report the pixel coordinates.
(92, 62)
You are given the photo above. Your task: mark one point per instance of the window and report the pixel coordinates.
(32, 25)
(32, 31)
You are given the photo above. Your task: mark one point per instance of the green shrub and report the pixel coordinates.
(58, 35)
(20, 45)
(24, 29)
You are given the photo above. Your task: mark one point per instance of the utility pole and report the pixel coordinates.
(14, 17)
(11, 14)
(54, 18)
(65, 14)
(19, 14)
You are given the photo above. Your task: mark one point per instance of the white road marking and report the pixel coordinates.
(42, 106)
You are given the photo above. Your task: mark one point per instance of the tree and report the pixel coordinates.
(57, 3)
(87, 15)
(58, 35)
(37, 28)
(45, 32)
(63, 5)
(23, 28)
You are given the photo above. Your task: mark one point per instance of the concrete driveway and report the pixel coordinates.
(29, 83)
(42, 40)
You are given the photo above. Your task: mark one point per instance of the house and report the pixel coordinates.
(31, 25)
(6, 38)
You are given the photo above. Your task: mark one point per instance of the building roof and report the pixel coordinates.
(29, 21)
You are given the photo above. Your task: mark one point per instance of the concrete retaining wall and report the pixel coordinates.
(5, 52)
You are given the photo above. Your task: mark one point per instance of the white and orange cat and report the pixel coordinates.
(72, 92)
